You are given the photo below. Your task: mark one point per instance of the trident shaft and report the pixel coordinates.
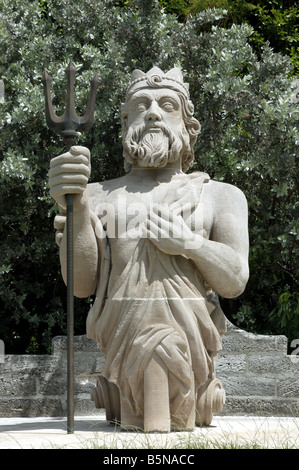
(68, 125)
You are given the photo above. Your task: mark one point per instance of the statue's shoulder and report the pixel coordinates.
(224, 194)
(104, 187)
(215, 188)
(99, 192)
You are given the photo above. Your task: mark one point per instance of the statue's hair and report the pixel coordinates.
(192, 126)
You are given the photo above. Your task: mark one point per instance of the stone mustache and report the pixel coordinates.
(156, 247)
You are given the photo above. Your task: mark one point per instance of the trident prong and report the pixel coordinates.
(68, 124)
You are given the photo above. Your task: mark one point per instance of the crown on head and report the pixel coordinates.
(156, 78)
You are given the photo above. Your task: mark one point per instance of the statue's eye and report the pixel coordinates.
(141, 107)
(168, 105)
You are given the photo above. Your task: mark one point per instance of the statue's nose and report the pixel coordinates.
(153, 113)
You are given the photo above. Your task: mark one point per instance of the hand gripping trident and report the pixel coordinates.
(67, 125)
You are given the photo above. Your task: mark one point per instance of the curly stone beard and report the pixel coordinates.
(154, 148)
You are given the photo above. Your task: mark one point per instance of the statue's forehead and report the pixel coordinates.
(155, 93)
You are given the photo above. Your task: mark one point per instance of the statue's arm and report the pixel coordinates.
(223, 258)
(69, 174)
(85, 254)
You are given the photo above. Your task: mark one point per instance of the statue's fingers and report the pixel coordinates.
(169, 225)
(61, 190)
(69, 168)
(58, 237)
(165, 215)
(59, 222)
(159, 227)
(68, 158)
(80, 150)
(162, 219)
(152, 229)
(68, 179)
(177, 208)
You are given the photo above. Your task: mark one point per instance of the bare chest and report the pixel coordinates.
(123, 212)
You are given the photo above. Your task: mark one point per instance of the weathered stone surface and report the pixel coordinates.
(243, 385)
(81, 343)
(240, 341)
(84, 361)
(85, 407)
(37, 385)
(18, 384)
(31, 407)
(269, 364)
(258, 375)
(288, 387)
(22, 363)
(260, 406)
(20, 375)
(230, 363)
(52, 384)
(260, 383)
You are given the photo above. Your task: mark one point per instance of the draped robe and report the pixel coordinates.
(158, 305)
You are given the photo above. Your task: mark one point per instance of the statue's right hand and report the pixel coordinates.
(69, 174)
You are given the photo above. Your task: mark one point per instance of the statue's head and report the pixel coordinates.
(157, 120)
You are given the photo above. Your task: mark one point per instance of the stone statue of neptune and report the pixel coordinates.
(156, 247)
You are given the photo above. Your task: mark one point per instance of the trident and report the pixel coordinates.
(68, 124)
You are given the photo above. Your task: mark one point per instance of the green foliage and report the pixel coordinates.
(249, 138)
(277, 22)
(274, 21)
(285, 316)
